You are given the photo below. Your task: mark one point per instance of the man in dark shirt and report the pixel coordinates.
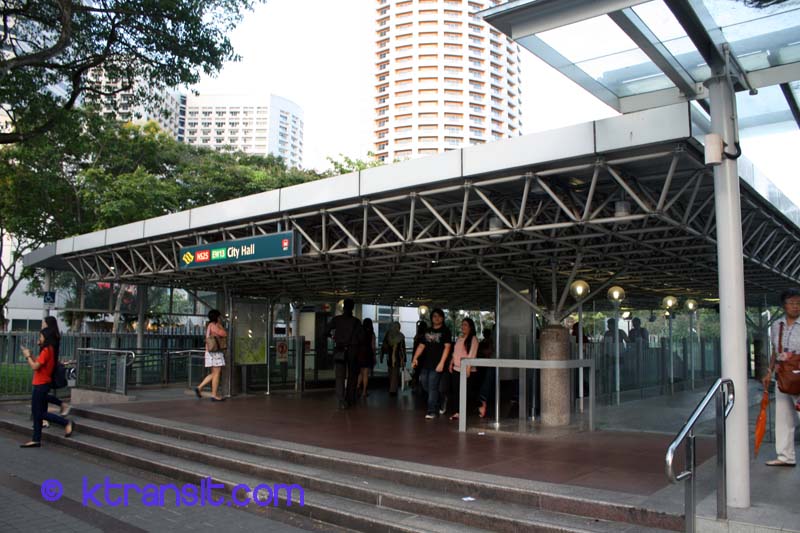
(347, 335)
(638, 333)
(437, 345)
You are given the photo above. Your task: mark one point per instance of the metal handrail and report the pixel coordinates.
(130, 356)
(128, 362)
(723, 409)
(523, 364)
(190, 353)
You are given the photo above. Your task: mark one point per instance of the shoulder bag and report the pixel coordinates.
(787, 372)
(215, 343)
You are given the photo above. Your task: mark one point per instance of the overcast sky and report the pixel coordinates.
(320, 54)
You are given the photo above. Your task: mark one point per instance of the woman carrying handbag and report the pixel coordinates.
(216, 344)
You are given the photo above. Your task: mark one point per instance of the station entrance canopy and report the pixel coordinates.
(640, 54)
(627, 199)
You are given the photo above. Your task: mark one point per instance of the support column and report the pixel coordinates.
(141, 300)
(727, 203)
(497, 356)
(556, 393)
(141, 295)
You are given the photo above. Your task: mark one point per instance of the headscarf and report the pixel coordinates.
(394, 336)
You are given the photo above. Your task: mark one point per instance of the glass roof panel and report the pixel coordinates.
(660, 20)
(571, 40)
(598, 49)
(615, 61)
(762, 37)
(627, 73)
(657, 16)
(767, 108)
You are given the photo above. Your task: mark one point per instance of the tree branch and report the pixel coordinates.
(65, 6)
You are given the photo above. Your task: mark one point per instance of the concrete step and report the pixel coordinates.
(596, 505)
(431, 500)
(497, 516)
(343, 512)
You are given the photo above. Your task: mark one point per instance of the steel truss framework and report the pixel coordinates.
(544, 225)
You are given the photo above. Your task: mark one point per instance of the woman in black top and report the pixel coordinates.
(366, 357)
(419, 338)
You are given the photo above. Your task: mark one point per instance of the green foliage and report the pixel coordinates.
(49, 47)
(15, 379)
(87, 173)
(345, 165)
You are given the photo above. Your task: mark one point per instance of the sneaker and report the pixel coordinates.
(429, 416)
(65, 409)
(443, 408)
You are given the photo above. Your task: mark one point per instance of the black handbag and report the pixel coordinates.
(59, 380)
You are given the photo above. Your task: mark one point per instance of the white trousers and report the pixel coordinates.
(786, 418)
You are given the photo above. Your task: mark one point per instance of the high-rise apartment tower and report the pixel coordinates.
(444, 78)
(252, 124)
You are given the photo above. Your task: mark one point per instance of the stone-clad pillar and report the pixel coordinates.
(555, 389)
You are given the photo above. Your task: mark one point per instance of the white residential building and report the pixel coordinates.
(252, 124)
(166, 108)
(444, 78)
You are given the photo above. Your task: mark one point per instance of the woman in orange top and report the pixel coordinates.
(42, 376)
(215, 359)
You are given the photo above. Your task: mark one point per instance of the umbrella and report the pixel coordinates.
(761, 422)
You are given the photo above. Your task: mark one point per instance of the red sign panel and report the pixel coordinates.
(202, 256)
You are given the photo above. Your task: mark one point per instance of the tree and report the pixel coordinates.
(49, 47)
(87, 173)
(344, 164)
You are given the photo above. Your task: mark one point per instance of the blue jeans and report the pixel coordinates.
(39, 411)
(429, 379)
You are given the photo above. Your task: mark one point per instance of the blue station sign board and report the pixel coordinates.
(262, 248)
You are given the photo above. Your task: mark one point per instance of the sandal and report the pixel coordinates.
(198, 393)
(454, 416)
(31, 444)
(482, 410)
(69, 429)
(778, 462)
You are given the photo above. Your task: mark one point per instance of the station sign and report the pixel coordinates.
(262, 248)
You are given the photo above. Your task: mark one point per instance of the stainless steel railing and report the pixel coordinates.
(523, 365)
(723, 392)
(191, 356)
(93, 368)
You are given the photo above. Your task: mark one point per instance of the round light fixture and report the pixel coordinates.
(579, 289)
(669, 302)
(691, 305)
(616, 294)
